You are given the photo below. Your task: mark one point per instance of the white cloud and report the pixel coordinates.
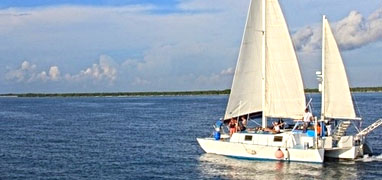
(229, 71)
(164, 50)
(194, 46)
(351, 32)
(140, 73)
(54, 73)
(304, 37)
(27, 66)
(28, 73)
(105, 70)
(355, 31)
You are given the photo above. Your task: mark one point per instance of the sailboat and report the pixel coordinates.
(337, 107)
(267, 81)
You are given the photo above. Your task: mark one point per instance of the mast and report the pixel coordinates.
(323, 70)
(264, 118)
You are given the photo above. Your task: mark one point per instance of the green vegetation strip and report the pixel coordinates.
(179, 93)
(170, 93)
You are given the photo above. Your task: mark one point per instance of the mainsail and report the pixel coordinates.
(337, 100)
(246, 91)
(284, 89)
(266, 50)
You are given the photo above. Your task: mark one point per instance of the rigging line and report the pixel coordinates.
(310, 105)
(356, 127)
(307, 105)
(357, 109)
(356, 104)
(256, 122)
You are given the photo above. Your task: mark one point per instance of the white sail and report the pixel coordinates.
(337, 100)
(281, 93)
(267, 79)
(246, 91)
(284, 88)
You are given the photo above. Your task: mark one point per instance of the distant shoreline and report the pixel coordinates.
(168, 93)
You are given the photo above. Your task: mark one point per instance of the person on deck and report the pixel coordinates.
(276, 127)
(318, 128)
(308, 117)
(281, 123)
(328, 127)
(232, 126)
(243, 123)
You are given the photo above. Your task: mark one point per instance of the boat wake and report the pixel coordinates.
(221, 167)
(374, 158)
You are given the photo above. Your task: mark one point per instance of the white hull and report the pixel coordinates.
(348, 148)
(259, 151)
(349, 153)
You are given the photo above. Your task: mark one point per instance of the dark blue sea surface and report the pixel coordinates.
(148, 138)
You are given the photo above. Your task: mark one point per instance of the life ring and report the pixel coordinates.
(279, 154)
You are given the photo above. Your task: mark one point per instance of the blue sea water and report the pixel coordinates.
(147, 138)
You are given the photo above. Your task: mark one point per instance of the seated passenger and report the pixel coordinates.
(276, 127)
(281, 123)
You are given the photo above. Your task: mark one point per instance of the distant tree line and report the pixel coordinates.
(311, 90)
(105, 94)
(355, 89)
(169, 93)
(366, 89)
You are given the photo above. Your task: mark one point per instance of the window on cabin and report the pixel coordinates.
(277, 139)
(248, 138)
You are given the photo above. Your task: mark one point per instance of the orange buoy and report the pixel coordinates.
(279, 154)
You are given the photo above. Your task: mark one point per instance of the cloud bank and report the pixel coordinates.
(351, 32)
(103, 71)
(141, 47)
(27, 72)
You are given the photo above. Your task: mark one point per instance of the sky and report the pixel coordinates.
(49, 46)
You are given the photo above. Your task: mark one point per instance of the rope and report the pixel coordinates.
(356, 105)
(250, 151)
(310, 105)
(256, 122)
(357, 109)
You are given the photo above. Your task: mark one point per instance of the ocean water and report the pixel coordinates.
(147, 138)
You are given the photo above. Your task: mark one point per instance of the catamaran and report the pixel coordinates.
(337, 108)
(267, 81)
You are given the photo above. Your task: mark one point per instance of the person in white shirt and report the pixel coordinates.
(276, 127)
(308, 117)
